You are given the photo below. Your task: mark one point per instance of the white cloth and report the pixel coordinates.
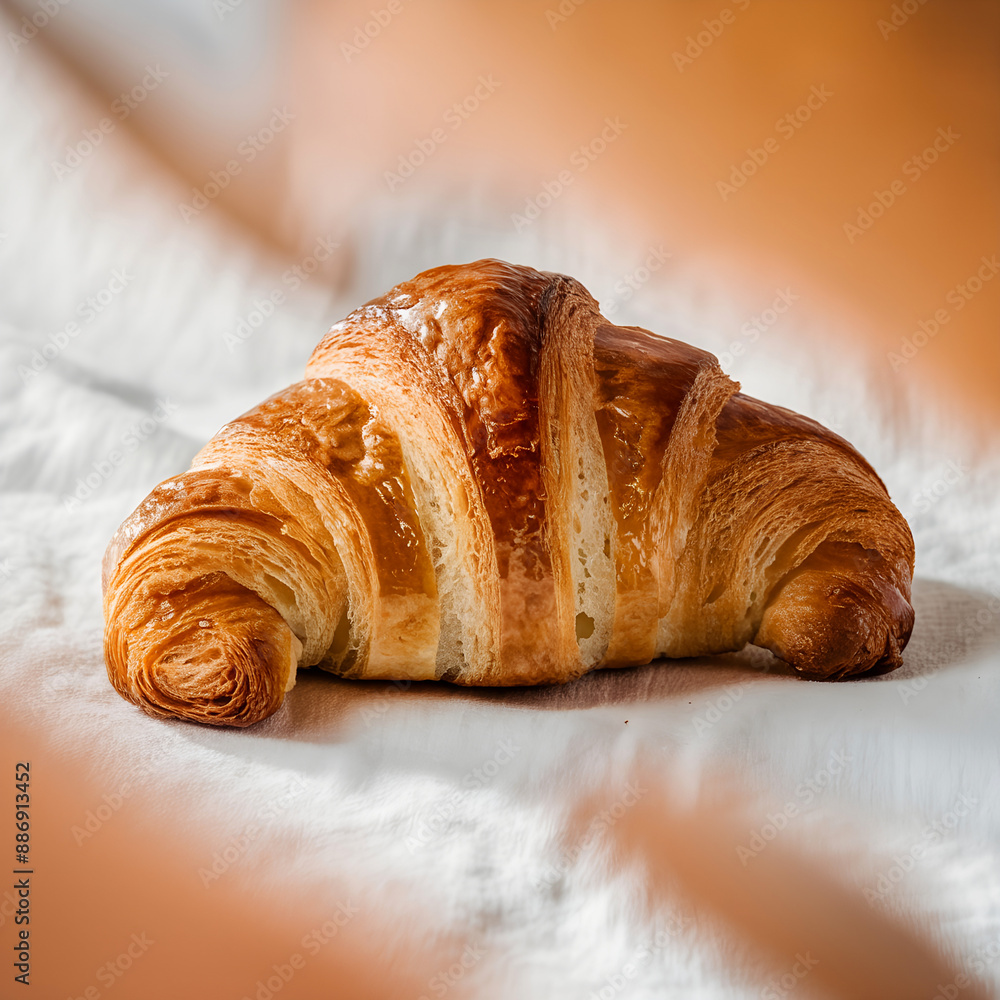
(459, 796)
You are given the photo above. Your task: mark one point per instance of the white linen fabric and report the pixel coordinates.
(461, 796)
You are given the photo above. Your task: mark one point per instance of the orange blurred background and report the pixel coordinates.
(847, 149)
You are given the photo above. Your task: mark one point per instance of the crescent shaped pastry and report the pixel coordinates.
(481, 480)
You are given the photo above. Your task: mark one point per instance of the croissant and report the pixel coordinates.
(481, 480)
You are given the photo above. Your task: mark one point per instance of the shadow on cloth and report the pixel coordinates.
(952, 624)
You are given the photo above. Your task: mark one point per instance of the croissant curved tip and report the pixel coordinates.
(218, 681)
(227, 662)
(832, 627)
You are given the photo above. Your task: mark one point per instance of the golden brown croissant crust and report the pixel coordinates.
(482, 480)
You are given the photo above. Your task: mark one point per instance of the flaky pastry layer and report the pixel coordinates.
(482, 480)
